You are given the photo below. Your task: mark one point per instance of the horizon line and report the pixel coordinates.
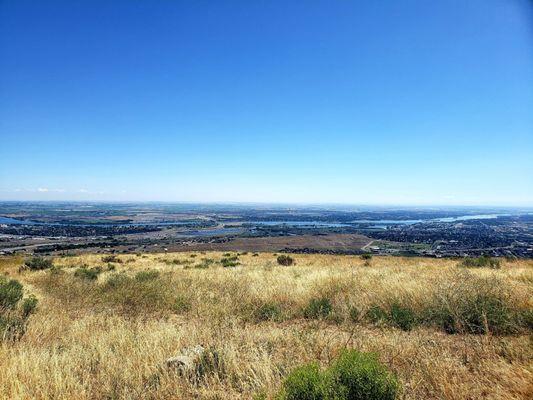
(278, 203)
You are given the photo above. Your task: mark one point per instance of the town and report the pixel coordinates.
(50, 228)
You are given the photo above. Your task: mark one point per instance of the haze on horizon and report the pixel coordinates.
(400, 103)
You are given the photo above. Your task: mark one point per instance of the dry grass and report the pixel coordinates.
(96, 339)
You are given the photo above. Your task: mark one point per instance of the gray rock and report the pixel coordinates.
(187, 361)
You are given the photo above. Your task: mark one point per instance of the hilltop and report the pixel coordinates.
(104, 325)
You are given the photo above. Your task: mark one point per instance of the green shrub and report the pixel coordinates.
(483, 313)
(13, 319)
(10, 293)
(143, 276)
(38, 263)
(285, 260)
(475, 305)
(177, 261)
(352, 376)
(360, 376)
(206, 263)
(525, 319)
(116, 280)
(304, 383)
(29, 305)
(181, 304)
(111, 258)
(376, 314)
(318, 308)
(402, 317)
(90, 274)
(211, 362)
(355, 314)
(396, 315)
(366, 256)
(12, 327)
(268, 312)
(481, 262)
(228, 262)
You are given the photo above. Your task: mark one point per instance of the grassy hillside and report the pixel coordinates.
(104, 326)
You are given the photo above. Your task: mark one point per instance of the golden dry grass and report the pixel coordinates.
(86, 343)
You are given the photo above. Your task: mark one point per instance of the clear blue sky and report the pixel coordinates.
(367, 102)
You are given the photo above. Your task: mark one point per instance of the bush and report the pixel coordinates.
(360, 376)
(355, 314)
(402, 317)
(12, 327)
(211, 362)
(228, 262)
(29, 305)
(304, 383)
(90, 274)
(13, 319)
(353, 376)
(144, 276)
(177, 261)
(111, 259)
(10, 293)
(397, 315)
(318, 308)
(181, 305)
(206, 263)
(481, 262)
(475, 305)
(38, 263)
(268, 312)
(376, 315)
(285, 260)
(366, 256)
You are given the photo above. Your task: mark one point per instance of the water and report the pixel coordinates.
(213, 232)
(380, 223)
(471, 217)
(13, 221)
(300, 224)
(388, 221)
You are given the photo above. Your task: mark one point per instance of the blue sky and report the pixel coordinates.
(363, 102)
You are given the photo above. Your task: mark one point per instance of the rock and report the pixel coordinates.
(187, 361)
(180, 363)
